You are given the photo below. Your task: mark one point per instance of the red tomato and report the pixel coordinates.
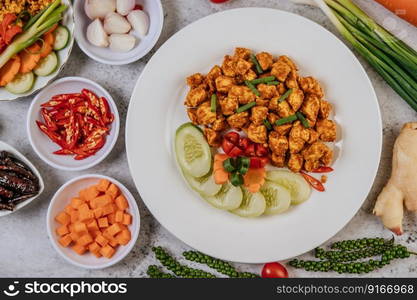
(323, 170)
(235, 152)
(261, 151)
(232, 137)
(316, 184)
(258, 162)
(274, 270)
(244, 143)
(227, 146)
(219, 1)
(250, 150)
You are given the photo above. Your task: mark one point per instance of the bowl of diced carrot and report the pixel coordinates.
(93, 221)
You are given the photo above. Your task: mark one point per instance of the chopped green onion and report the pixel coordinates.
(256, 63)
(246, 107)
(275, 82)
(229, 165)
(267, 124)
(286, 120)
(236, 179)
(263, 80)
(213, 103)
(243, 164)
(285, 96)
(303, 119)
(252, 87)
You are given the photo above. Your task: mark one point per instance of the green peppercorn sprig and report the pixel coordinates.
(217, 264)
(361, 243)
(174, 266)
(155, 272)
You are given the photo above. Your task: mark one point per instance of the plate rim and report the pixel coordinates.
(139, 186)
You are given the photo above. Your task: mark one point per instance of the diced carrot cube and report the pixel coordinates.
(74, 216)
(98, 212)
(101, 201)
(123, 237)
(112, 218)
(69, 209)
(65, 241)
(119, 216)
(114, 229)
(83, 195)
(127, 219)
(92, 226)
(83, 206)
(94, 247)
(114, 243)
(63, 218)
(74, 236)
(76, 202)
(86, 215)
(109, 209)
(85, 239)
(97, 254)
(107, 251)
(80, 227)
(92, 193)
(103, 185)
(79, 249)
(101, 240)
(113, 191)
(95, 233)
(62, 230)
(121, 202)
(103, 222)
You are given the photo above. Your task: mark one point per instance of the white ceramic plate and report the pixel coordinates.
(6, 147)
(156, 110)
(143, 44)
(63, 56)
(44, 147)
(62, 198)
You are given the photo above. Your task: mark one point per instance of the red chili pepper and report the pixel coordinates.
(63, 152)
(316, 184)
(92, 97)
(56, 138)
(48, 120)
(106, 114)
(323, 169)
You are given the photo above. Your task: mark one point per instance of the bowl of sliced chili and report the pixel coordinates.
(73, 124)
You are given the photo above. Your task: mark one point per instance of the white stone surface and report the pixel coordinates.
(24, 246)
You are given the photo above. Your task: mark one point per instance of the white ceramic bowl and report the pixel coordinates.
(143, 45)
(6, 147)
(63, 56)
(62, 198)
(44, 147)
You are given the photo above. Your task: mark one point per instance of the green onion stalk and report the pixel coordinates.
(34, 29)
(394, 60)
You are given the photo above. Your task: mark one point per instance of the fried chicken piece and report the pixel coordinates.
(315, 154)
(228, 66)
(283, 129)
(281, 89)
(259, 114)
(228, 105)
(257, 133)
(284, 109)
(238, 121)
(325, 109)
(277, 160)
(295, 99)
(267, 91)
(327, 130)
(195, 80)
(265, 60)
(192, 115)
(262, 102)
(196, 96)
(242, 53)
(298, 136)
(213, 137)
(242, 93)
(291, 81)
(278, 143)
(220, 124)
(311, 107)
(280, 70)
(224, 83)
(285, 59)
(215, 72)
(314, 136)
(242, 66)
(295, 162)
(310, 85)
(250, 75)
(204, 114)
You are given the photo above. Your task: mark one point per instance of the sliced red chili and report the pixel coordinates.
(56, 138)
(323, 169)
(48, 120)
(316, 184)
(106, 114)
(63, 152)
(92, 97)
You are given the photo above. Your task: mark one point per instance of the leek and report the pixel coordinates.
(35, 28)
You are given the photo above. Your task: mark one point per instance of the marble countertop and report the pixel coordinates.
(24, 246)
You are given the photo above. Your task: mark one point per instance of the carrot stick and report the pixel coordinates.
(405, 9)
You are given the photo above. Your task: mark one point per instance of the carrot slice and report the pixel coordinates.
(254, 179)
(29, 58)
(49, 38)
(9, 71)
(46, 50)
(221, 176)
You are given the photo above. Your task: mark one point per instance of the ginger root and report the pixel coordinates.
(401, 188)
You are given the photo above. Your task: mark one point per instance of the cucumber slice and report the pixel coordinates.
(62, 36)
(192, 151)
(228, 198)
(21, 84)
(299, 189)
(205, 185)
(47, 65)
(278, 198)
(253, 205)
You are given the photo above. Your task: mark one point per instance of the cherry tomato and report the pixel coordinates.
(323, 170)
(218, 1)
(260, 150)
(274, 270)
(316, 184)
